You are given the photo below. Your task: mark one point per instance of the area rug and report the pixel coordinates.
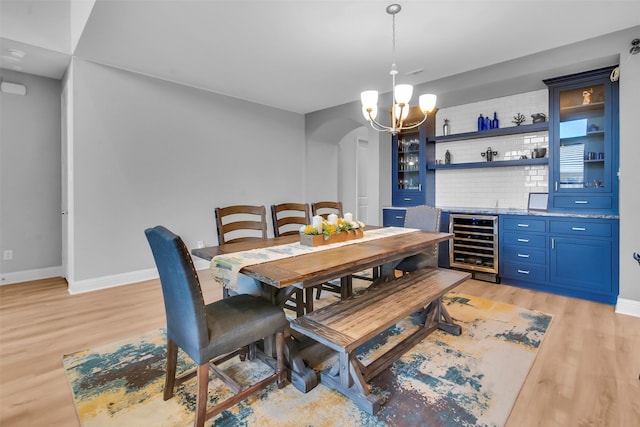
(469, 380)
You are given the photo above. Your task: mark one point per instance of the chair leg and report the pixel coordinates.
(280, 369)
(202, 394)
(172, 361)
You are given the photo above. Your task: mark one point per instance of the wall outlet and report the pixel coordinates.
(201, 243)
(7, 255)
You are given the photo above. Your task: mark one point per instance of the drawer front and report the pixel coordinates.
(580, 203)
(581, 228)
(524, 240)
(517, 254)
(528, 272)
(393, 217)
(524, 224)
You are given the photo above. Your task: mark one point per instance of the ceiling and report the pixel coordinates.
(303, 55)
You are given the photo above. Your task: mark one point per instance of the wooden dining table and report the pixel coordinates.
(283, 276)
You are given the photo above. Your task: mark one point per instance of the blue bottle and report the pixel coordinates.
(480, 123)
(487, 123)
(495, 123)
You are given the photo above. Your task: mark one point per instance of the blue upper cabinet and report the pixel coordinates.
(583, 141)
(411, 185)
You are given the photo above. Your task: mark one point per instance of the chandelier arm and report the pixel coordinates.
(380, 127)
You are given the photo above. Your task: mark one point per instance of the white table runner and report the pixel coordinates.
(225, 268)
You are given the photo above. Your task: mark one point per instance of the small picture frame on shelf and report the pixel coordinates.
(538, 201)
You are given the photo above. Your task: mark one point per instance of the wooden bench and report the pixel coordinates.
(350, 323)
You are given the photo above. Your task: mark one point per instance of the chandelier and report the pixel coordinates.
(401, 95)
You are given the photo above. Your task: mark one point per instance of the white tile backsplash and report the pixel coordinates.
(464, 118)
(502, 187)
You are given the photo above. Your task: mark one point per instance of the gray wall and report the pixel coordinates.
(30, 174)
(150, 152)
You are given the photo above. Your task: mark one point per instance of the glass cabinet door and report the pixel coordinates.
(409, 162)
(582, 141)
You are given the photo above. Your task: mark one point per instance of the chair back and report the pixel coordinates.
(425, 218)
(247, 222)
(288, 217)
(183, 300)
(324, 209)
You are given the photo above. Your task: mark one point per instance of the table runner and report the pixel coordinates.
(225, 268)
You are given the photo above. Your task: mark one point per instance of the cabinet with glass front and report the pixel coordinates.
(410, 180)
(583, 133)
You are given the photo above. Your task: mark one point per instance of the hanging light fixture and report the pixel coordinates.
(401, 95)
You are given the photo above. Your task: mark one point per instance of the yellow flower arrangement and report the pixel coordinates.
(329, 229)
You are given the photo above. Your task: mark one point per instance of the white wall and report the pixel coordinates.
(30, 178)
(630, 176)
(150, 152)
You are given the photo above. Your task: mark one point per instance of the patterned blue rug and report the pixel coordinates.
(470, 380)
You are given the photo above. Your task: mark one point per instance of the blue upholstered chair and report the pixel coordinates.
(210, 333)
(425, 218)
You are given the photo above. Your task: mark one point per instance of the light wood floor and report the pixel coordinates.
(586, 373)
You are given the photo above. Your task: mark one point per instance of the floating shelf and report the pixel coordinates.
(511, 130)
(494, 164)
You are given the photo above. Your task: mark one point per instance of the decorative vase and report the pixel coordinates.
(447, 157)
(487, 123)
(495, 123)
(480, 123)
(445, 127)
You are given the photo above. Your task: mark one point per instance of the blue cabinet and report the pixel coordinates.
(571, 256)
(584, 257)
(392, 217)
(583, 141)
(523, 254)
(411, 183)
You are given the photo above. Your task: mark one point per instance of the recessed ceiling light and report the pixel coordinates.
(17, 53)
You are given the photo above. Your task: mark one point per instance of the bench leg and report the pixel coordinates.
(347, 378)
(444, 320)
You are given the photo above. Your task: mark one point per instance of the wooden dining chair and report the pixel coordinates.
(240, 223)
(287, 219)
(324, 209)
(211, 333)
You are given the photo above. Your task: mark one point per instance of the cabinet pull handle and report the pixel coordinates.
(579, 228)
(523, 240)
(523, 255)
(581, 202)
(556, 186)
(523, 271)
(408, 199)
(553, 243)
(523, 225)
(399, 217)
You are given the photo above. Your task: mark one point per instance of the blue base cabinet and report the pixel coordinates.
(571, 256)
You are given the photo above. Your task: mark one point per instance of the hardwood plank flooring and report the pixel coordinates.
(586, 373)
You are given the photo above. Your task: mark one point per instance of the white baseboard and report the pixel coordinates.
(28, 275)
(80, 286)
(104, 282)
(628, 306)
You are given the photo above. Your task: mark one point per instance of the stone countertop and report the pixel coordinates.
(506, 211)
